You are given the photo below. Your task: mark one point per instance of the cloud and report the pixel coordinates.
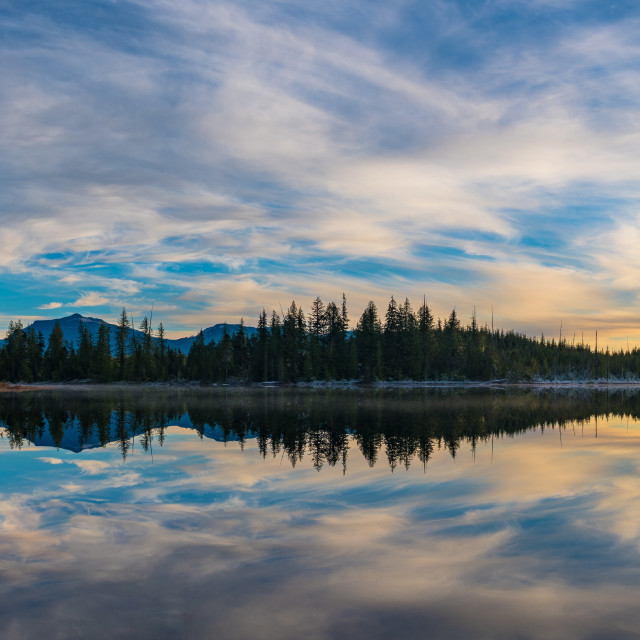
(91, 299)
(51, 305)
(250, 145)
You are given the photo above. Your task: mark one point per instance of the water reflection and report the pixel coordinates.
(219, 536)
(402, 425)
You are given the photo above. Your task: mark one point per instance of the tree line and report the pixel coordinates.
(296, 347)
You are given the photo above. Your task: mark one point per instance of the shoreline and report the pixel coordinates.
(89, 385)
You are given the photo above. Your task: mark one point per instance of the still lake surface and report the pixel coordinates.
(271, 513)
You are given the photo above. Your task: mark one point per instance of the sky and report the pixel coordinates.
(210, 159)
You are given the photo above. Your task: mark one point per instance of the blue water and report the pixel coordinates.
(533, 533)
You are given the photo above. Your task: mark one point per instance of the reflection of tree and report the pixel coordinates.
(319, 448)
(369, 443)
(58, 420)
(103, 426)
(404, 425)
(122, 431)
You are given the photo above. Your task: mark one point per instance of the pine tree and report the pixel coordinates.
(261, 351)
(408, 343)
(135, 352)
(427, 346)
(224, 354)
(392, 330)
(316, 361)
(345, 317)
(197, 359)
(103, 360)
(240, 350)
(317, 319)
(55, 357)
(334, 354)
(85, 352)
(276, 363)
(160, 354)
(15, 350)
(293, 343)
(121, 343)
(451, 347)
(146, 364)
(368, 337)
(34, 353)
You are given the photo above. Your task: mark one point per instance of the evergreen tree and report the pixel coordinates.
(335, 352)
(317, 319)
(240, 350)
(15, 350)
(160, 354)
(451, 347)
(369, 348)
(391, 352)
(224, 355)
(408, 342)
(476, 365)
(427, 340)
(102, 359)
(146, 355)
(135, 353)
(261, 350)
(276, 363)
(34, 354)
(345, 317)
(85, 353)
(293, 343)
(197, 359)
(121, 343)
(55, 357)
(317, 327)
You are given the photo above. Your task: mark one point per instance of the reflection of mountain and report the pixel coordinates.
(404, 425)
(76, 439)
(70, 325)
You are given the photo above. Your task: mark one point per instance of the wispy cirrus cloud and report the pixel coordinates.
(90, 299)
(250, 152)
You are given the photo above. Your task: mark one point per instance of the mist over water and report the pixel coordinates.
(358, 513)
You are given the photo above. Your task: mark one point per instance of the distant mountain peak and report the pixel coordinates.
(81, 318)
(70, 328)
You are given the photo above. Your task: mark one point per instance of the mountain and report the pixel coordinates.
(70, 326)
(212, 334)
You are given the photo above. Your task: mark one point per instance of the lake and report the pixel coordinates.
(356, 513)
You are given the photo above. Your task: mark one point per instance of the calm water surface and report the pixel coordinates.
(320, 514)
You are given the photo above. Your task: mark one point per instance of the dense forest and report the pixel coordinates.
(297, 347)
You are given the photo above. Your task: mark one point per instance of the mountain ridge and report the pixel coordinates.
(70, 326)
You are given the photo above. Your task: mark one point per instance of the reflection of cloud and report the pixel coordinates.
(92, 466)
(88, 466)
(518, 543)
